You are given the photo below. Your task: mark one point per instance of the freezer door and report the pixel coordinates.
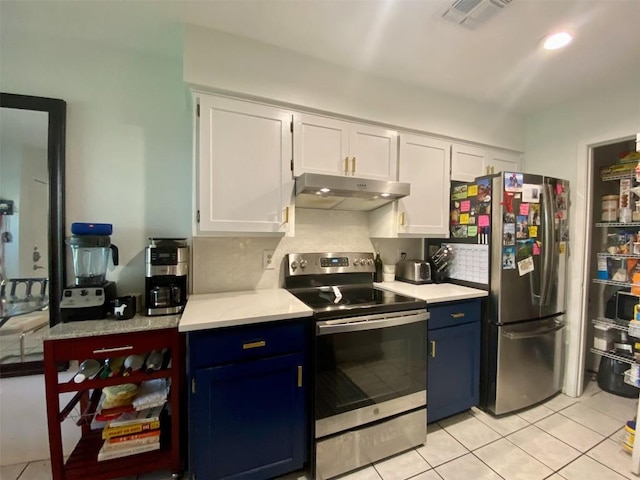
(529, 363)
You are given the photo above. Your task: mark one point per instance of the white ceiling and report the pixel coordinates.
(499, 62)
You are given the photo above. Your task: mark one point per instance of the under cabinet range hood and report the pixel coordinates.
(333, 192)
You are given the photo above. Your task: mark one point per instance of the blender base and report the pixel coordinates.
(87, 303)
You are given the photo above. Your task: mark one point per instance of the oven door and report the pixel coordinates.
(369, 368)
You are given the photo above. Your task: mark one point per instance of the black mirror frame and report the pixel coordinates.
(57, 110)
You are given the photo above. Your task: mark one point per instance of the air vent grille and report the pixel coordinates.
(473, 13)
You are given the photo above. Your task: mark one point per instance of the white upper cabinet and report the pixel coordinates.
(424, 163)
(334, 147)
(243, 163)
(469, 162)
(501, 161)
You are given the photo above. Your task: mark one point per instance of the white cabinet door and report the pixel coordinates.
(373, 152)
(467, 162)
(321, 145)
(424, 163)
(244, 181)
(501, 161)
(333, 147)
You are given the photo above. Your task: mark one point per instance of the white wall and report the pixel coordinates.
(227, 62)
(555, 145)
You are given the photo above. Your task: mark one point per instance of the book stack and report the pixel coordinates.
(131, 433)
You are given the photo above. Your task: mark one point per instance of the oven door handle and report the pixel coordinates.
(370, 322)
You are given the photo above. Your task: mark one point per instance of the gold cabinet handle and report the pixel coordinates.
(353, 165)
(346, 165)
(299, 376)
(285, 215)
(457, 315)
(401, 219)
(247, 346)
(433, 349)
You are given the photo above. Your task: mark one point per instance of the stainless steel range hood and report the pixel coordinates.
(333, 192)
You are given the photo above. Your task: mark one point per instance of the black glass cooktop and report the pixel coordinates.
(355, 300)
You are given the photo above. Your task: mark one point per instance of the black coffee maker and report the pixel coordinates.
(166, 265)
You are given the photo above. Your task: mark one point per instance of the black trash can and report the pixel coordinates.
(611, 378)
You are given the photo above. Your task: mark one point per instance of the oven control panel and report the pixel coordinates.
(324, 263)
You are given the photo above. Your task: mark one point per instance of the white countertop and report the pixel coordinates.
(215, 310)
(433, 292)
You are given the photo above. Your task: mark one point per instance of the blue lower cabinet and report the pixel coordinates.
(248, 402)
(249, 419)
(453, 368)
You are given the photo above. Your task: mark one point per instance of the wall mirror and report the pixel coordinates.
(32, 266)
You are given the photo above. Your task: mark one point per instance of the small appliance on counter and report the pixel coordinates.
(417, 272)
(90, 296)
(166, 268)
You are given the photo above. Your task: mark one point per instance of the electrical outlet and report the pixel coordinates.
(267, 260)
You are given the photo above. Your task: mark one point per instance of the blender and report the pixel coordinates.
(90, 295)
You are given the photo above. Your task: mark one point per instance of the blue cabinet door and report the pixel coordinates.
(453, 370)
(248, 419)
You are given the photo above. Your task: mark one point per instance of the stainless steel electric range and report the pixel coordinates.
(370, 361)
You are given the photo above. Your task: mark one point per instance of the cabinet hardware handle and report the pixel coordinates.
(346, 165)
(114, 349)
(247, 346)
(433, 349)
(457, 315)
(402, 219)
(193, 385)
(299, 376)
(353, 165)
(285, 215)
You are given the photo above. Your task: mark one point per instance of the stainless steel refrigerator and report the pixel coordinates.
(521, 222)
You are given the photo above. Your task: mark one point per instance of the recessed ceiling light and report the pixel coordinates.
(557, 40)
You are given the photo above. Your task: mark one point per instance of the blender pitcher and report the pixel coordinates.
(90, 258)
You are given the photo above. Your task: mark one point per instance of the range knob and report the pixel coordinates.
(302, 263)
(369, 261)
(294, 265)
(356, 262)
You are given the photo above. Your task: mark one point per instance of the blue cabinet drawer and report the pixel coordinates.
(453, 313)
(248, 342)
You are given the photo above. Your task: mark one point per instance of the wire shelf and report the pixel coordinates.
(618, 224)
(619, 176)
(620, 358)
(611, 323)
(619, 255)
(615, 283)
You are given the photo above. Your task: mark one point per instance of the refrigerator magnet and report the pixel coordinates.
(536, 248)
(531, 193)
(524, 209)
(472, 231)
(508, 258)
(522, 224)
(533, 231)
(513, 182)
(465, 205)
(509, 217)
(534, 214)
(472, 190)
(459, 192)
(525, 266)
(483, 190)
(509, 234)
(464, 219)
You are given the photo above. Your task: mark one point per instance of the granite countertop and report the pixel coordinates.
(215, 310)
(92, 328)
(433, 292)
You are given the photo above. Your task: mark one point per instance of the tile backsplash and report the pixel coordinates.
(224, 264)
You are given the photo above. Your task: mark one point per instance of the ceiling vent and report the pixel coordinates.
(473, 13)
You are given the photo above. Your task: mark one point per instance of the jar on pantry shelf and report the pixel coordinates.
(610, 208)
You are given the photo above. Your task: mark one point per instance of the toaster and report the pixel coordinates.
(414, 271)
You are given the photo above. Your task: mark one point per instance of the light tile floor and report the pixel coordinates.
(562, 439)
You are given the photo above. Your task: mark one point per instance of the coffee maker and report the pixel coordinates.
(166, 268)
(90, 295)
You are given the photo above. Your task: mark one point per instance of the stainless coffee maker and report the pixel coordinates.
(166, 265)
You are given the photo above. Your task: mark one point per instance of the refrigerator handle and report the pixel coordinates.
(535, 333)
(548, 248)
